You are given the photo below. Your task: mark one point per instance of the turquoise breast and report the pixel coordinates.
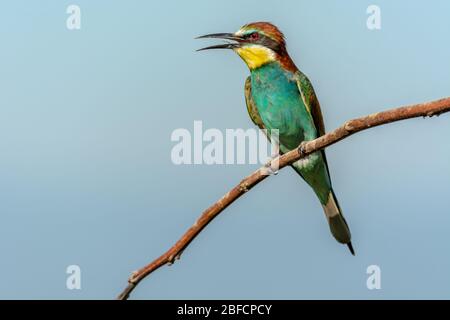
(277, 97)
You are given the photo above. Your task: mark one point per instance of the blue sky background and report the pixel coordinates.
(86, 176)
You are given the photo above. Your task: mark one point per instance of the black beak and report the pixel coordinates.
(224, 36)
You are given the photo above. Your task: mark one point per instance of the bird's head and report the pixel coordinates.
(256, 43)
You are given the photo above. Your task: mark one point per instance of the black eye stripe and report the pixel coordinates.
(269, 43)
(264, 41)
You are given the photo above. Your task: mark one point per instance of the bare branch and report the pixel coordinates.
(428, 109)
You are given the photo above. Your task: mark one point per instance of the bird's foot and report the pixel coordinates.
(302, 150)
(272, 166)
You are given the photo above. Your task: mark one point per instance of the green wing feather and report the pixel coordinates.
(251, 108)
(312, 103)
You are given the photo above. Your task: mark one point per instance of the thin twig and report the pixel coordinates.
(428, 109)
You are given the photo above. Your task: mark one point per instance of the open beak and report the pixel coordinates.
(224, 36)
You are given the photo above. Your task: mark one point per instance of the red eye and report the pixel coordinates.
(254, 36)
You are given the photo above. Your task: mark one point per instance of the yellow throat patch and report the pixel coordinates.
(255, 56)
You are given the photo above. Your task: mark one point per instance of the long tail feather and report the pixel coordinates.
(336, 220)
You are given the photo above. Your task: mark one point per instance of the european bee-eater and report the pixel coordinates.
(279, 96)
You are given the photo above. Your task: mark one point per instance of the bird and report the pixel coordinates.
(279, 96)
